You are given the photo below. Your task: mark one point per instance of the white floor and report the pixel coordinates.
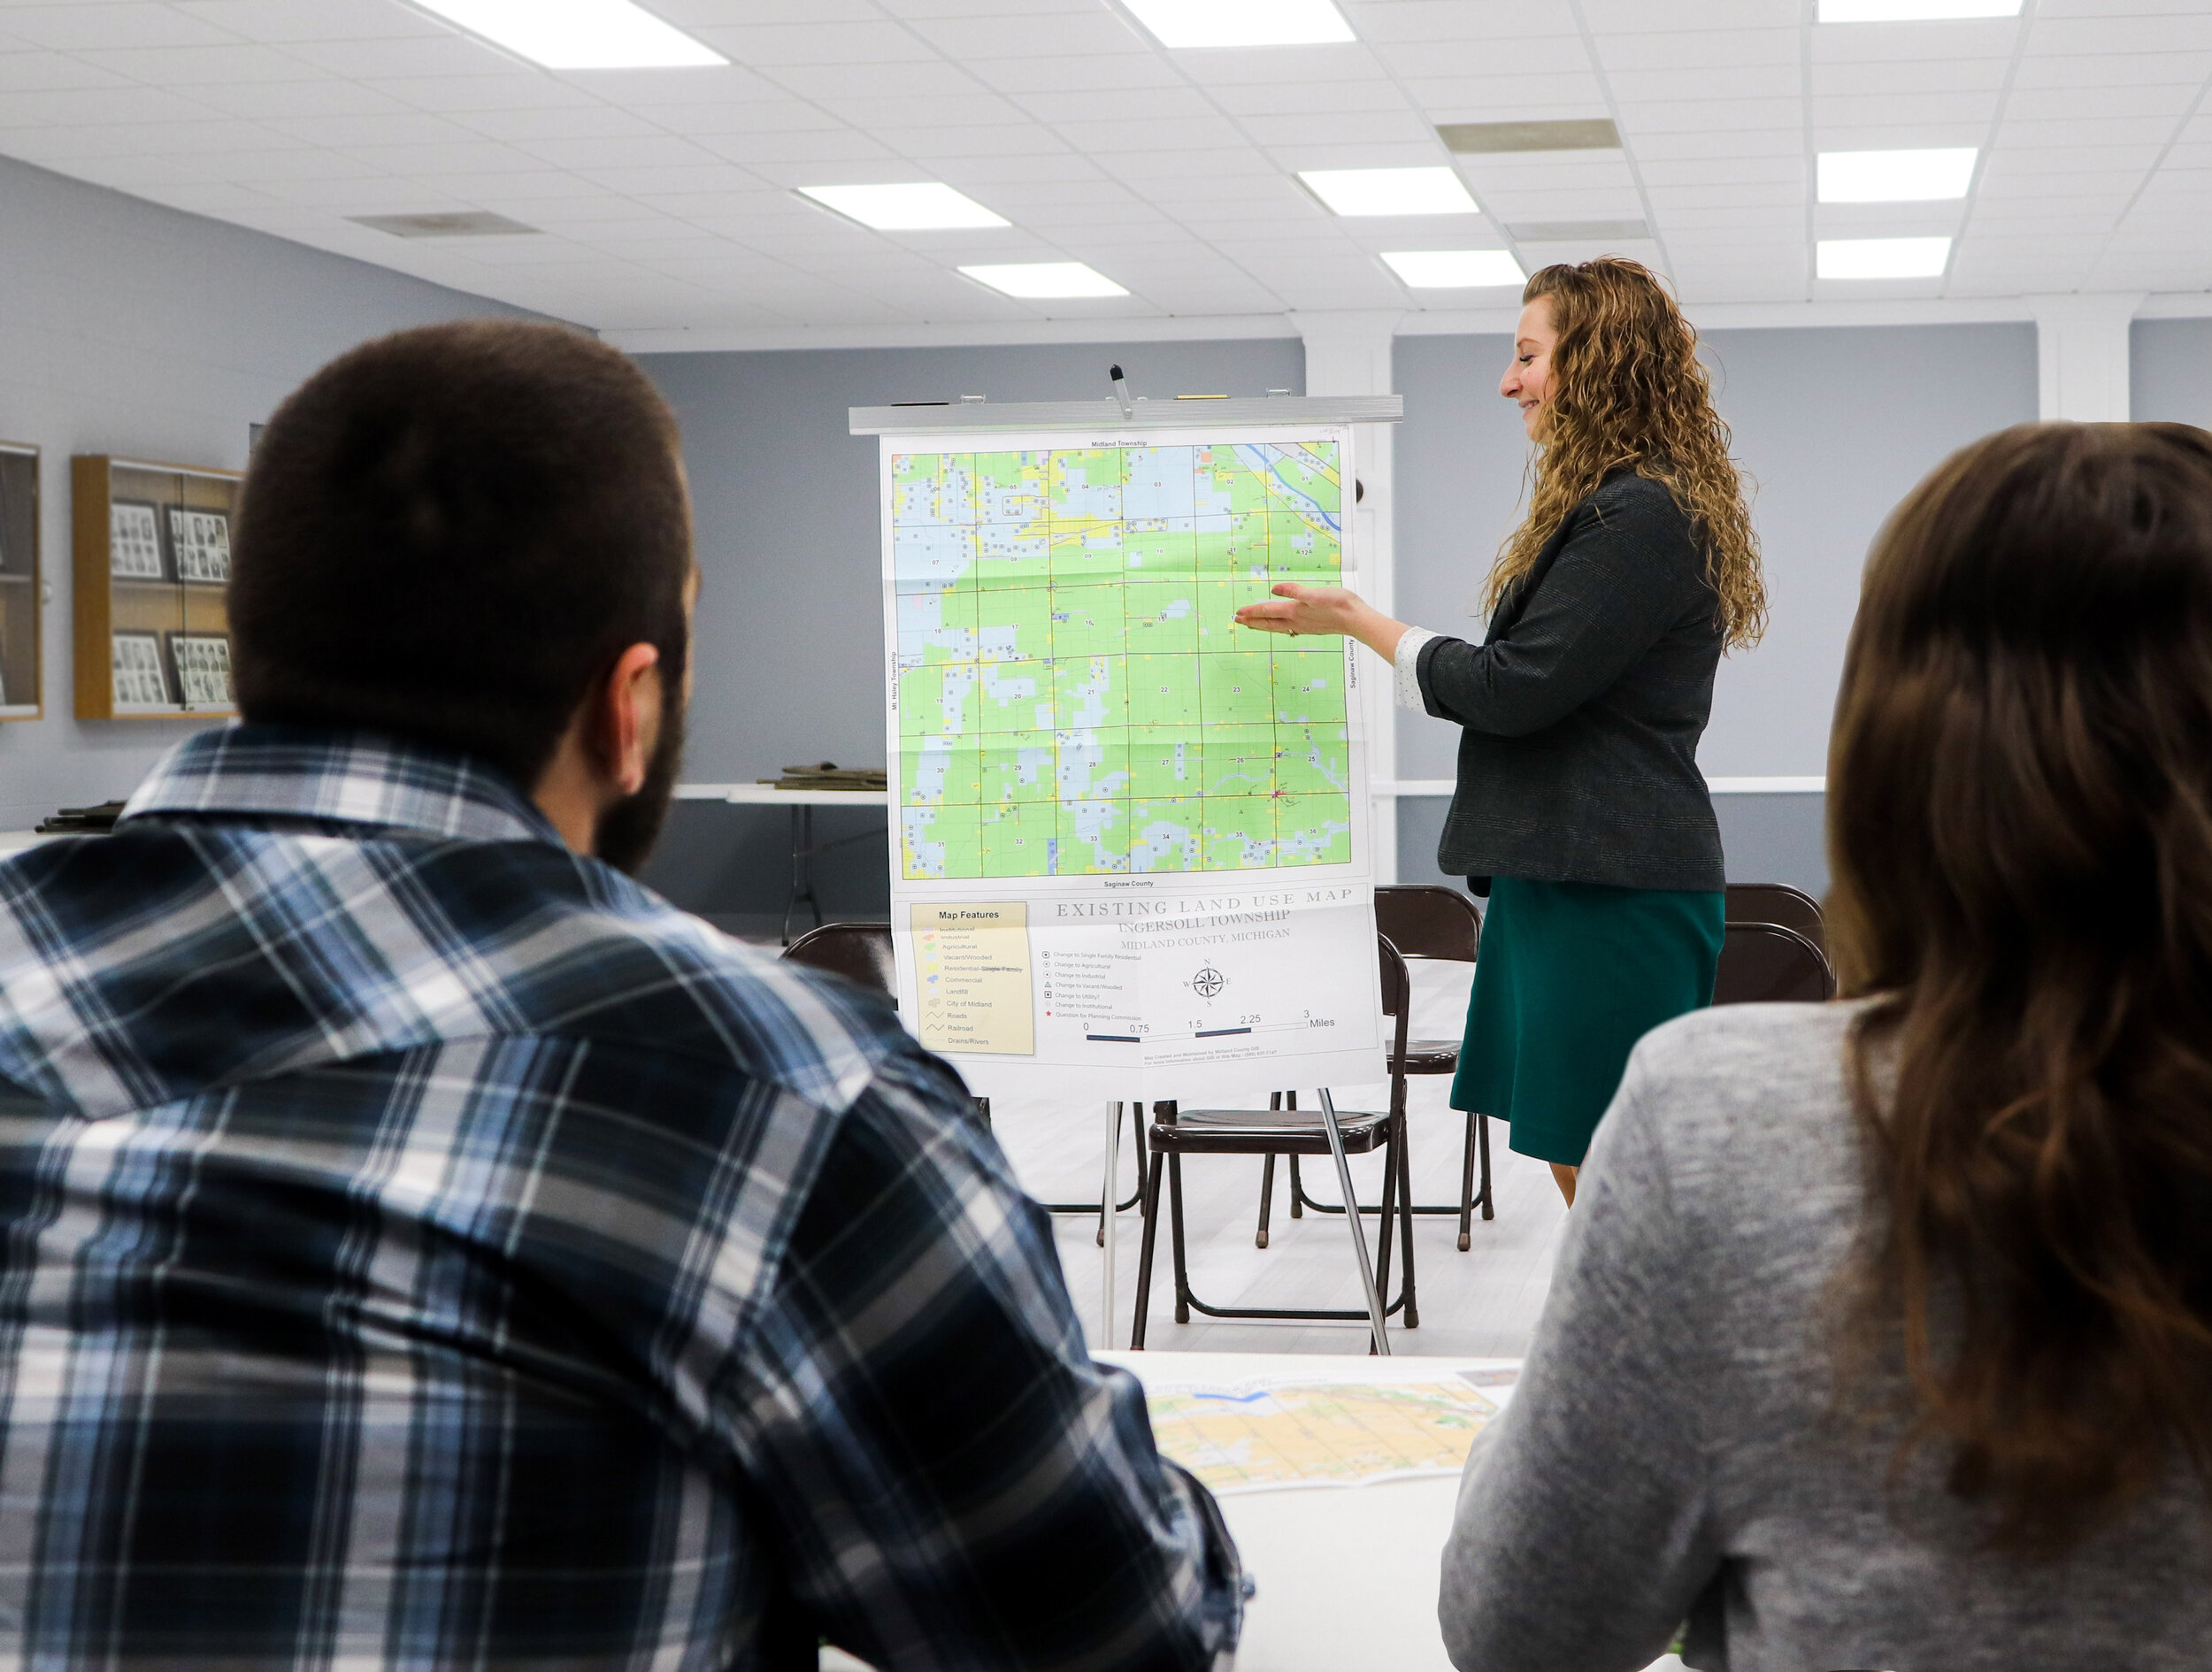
(1483, 1303)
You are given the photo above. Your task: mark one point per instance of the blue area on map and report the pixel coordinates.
(1265, 459)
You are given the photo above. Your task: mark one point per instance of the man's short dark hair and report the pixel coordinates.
(451, 535)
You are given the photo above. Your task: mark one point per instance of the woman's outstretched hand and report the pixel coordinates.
(1298, 609)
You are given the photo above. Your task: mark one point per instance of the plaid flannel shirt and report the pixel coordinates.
(422, 1247)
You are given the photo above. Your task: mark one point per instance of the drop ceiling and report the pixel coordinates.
(665, 200)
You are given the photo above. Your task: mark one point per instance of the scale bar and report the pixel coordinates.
(1115, 1038)
(1220, 1034)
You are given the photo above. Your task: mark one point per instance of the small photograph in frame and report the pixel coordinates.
(200, 543)
(202, 661)
(139, 678)
(134, 541)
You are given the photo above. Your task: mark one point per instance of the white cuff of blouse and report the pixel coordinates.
(1407, 663)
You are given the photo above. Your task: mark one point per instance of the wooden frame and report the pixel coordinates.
(22, 586)
(106, 604)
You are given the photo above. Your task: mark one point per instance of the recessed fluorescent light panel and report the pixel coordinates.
(1882, 257)
(924, 206)
(1912, 11)
(1455, 269)
(1242, 23)
(1390, 191)
(1896, 177)
(1045, 281)
(578, 34)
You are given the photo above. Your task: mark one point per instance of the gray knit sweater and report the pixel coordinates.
(1673, 1450)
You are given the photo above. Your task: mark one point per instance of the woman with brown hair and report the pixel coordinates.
(1579, 809)
(1889, 1340)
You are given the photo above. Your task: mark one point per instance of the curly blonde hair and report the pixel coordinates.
(1627, 391)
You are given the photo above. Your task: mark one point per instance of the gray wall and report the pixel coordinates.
(791, 607)
(2171, 371)
(129, 328)
(1834, 423)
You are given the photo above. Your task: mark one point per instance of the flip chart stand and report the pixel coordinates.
(1351, 1215)
(1107, 1217)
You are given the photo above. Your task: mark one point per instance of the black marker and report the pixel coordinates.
(1121, 392)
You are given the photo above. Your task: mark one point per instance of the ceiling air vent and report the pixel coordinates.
(475, 223)
(1474, 139)
(1577, 232)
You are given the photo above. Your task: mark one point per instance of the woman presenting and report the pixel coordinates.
(1580, 805)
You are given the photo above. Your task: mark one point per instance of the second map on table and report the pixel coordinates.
(1284, 1432)
(1073, 697)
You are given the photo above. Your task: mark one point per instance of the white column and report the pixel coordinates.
(1349, 354)
(2081, 345)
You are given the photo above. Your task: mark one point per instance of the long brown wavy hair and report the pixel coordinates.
(2021, 840)
(1628, 392)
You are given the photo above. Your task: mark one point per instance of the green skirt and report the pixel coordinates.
(1572, 976)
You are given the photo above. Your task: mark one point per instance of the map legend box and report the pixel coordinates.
(972, 966)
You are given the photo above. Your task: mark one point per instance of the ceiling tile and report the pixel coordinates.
(112, 23)
(773, 46)
(1542, 55)
(1364, 128)
(282, 20)
(1398, 20)
(1075, 74)
(1096, 30)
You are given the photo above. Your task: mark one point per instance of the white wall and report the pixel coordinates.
(131, 329)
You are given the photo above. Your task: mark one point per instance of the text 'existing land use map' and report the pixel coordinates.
(1073, 696)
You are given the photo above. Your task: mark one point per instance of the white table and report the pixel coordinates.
(804, 846)
(1346, 1576)
(18, 841)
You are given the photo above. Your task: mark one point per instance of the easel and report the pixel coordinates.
(1128, 412)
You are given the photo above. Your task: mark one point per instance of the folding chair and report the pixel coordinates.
(1765, 963)
(1283, 1129)
(1423, 920)
(1777, 902)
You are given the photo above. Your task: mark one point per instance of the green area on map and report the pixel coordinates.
(1073, 696)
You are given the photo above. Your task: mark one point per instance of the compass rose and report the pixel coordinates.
(1207, 983)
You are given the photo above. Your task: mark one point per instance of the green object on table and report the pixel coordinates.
(1572, 976)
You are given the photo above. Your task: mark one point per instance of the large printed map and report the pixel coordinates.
(1284, 1432)
(1073, 696)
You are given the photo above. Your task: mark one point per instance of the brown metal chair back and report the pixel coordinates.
(860, 952)
(1425, 920)
(1765, 963)
(1777, 902)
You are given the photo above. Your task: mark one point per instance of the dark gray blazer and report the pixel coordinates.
(1582, 706)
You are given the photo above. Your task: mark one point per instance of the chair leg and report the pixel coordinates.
(1144, 1255)
(1297, 1191)
(1136, 1116)
(1175, 1237)
(1467, 1183)
(1405, 1218)
(1267, 1199)
(1482, 1132)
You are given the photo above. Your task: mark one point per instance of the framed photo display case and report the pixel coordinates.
(152, 567)
(21, 594)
